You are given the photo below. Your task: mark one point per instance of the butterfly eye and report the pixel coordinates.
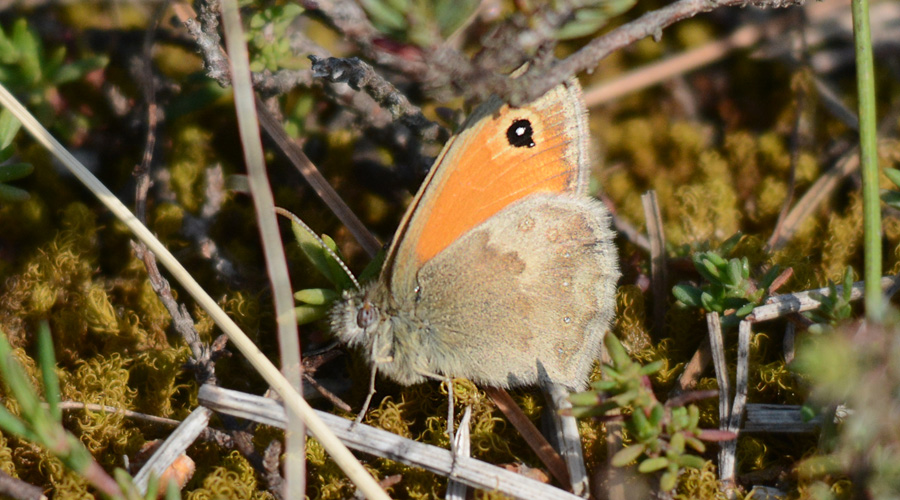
(520, 134)
(367, 315)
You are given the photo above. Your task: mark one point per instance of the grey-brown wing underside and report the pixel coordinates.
(526, 295)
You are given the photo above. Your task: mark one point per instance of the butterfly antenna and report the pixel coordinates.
(332, 253)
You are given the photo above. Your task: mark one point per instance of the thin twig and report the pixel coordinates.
(361, 76)
(727, 452)
(315, 179)
(781, 305)
(568, 439)
(202, 357)
(693, 369)
(796, 139)
(529, 432)
(656, 235)
(19, 490)
(815, 195)
(209, 434)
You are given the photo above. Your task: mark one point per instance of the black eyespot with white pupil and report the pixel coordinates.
(520, 134)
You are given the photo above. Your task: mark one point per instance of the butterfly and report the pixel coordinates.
(503, 269)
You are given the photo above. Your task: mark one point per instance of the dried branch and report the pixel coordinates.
(364, 438)
(361, 76)
(18, 489)
(537, 81)
(202, 355)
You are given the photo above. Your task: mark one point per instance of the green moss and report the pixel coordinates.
(843, 240)
(104, 381)
(191, 156)
(235, 479)
(700, 483)
(6, 457)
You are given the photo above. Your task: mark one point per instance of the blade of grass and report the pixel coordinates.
(273, 248)
(865, 81)
(47, 361)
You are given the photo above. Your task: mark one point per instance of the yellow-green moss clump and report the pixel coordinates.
(235, 479)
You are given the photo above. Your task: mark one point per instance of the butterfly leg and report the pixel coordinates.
(450, 410)
(368, 401)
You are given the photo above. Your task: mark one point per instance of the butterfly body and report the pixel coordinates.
(503, 270)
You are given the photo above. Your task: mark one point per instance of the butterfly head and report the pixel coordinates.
(358, 319)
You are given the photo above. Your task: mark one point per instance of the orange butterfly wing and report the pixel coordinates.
(501, 155)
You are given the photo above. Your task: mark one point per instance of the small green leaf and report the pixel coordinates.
(716, 259)
(709, 271)
(384, 14)
(15, 171)
(708, 303)
(808, 413)
(595, 411)
(76, 70)
(313, 250)
(373, 268)
(657, 414)
(9, 127)
(316, 296)
(893, 174)
(587, 398)
(668, 481)
(687, 295)
(309, 313)
(13, 194)
(616, 350)
(745, 310)
(653, 464)
(338, 273)
(47, 362)
(692, 461)
(848, 283)
(172, 491)
(728, 245)
(627, 455)
(696, 444)
(651, 368)
(11, 424)
(734, 272)
(676, 443)
(891, 198)
(17, 381)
